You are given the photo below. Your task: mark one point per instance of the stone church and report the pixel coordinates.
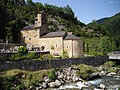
(38, 36)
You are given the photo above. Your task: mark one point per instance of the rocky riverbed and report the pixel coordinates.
(72, 79)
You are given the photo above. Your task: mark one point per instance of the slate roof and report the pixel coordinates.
(31, 27)
(71, 37)
(55, 34)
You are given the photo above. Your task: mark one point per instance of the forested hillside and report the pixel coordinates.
(109, 27)
(15, 14)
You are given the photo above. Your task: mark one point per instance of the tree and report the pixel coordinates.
(107, 45)
(3, 19)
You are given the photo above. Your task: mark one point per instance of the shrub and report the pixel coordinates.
(27, 56)
(20, 87)
(30, 55)
(85, 71)
(22, 50)
(51, 74)
(64, 54)
(2, 58)
(9, 82)
(46, 57)
(109, 66)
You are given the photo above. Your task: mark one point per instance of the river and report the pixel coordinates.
(111, 83)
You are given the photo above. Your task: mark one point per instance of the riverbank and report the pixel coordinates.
(77, 75)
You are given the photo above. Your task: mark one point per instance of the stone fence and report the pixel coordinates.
(34, 65)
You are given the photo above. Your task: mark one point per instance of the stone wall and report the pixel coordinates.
(34, 65)
(30, 37)
(52, 44)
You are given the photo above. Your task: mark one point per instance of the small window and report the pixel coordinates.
(67, 46)
(24, 37)
(29, 38)
(56, 45)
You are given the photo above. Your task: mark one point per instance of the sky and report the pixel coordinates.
(88, 10)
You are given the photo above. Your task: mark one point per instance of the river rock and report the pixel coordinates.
(46, 79)
(102, 86)
(38, 88)
(102, 73)
(69, 78)
(60, 76)
(62, 82)
(95, 74)
(44, 85)
(111, 73)
(52, 84)
(75, 79)
(87, 84)
(57, 83)
(98, 89)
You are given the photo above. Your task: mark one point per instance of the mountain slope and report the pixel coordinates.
(113, 24)
(18, 14)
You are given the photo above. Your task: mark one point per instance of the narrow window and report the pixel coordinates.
(42, 48)
(24, 37)
(67, 46)
(29, 38)
(56, 45)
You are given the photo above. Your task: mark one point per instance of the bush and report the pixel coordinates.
(85, 71)
(20, 87)
(109, 66)
(27, 56)
(2, 58)
(22, 50)
(46, 57)
(64, 54)
(51, 74)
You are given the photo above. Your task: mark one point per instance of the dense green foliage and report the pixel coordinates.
(85, 71)
(107, 45)
(22, 50)
(27, 56)
(51, 74)
(15, 14)
(109, 27)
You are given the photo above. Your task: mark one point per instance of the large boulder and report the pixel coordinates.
(44, 85)
(57, 83)
(102, 73)
(61, 76)
(75, 79)
(102, 86)
(46, 79)
(52, 84)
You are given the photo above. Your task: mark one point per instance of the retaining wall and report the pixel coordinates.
(34, 65)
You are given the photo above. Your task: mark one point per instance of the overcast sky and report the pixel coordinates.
(88, 10)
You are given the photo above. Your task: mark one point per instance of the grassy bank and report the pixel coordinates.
(20, 79)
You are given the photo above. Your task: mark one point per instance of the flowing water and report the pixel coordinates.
(111, 83)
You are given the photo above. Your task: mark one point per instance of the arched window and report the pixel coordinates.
(42, 48)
